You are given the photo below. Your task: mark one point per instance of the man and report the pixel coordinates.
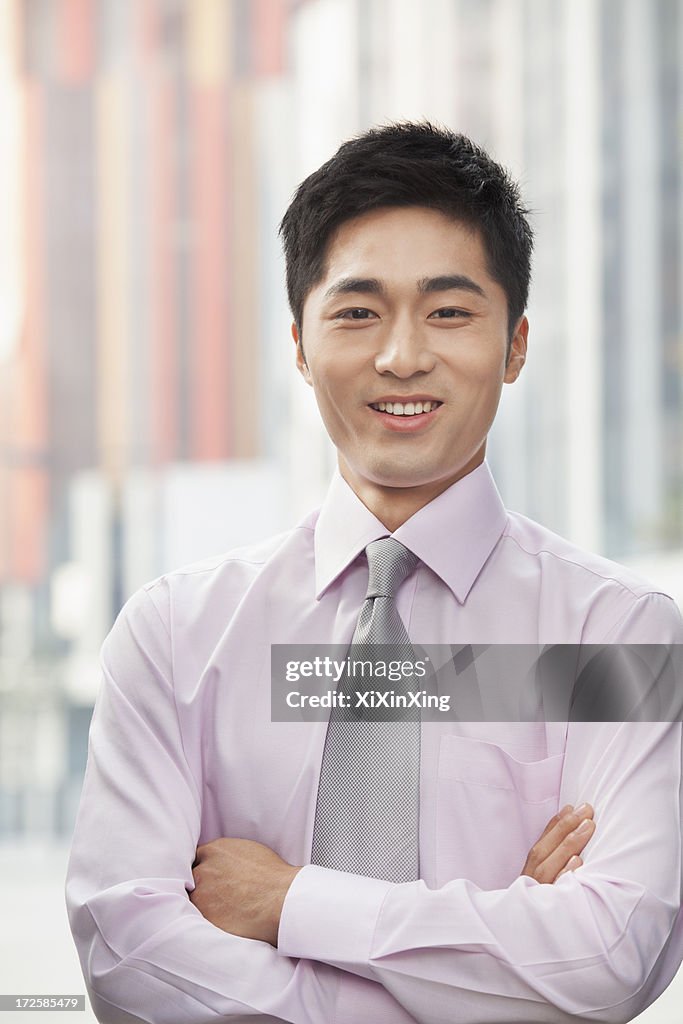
(203, 882)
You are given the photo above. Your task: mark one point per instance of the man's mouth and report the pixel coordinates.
(411, 408)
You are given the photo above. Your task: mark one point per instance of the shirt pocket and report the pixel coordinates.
(491, 809)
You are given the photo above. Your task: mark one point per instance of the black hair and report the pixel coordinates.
(409, 164)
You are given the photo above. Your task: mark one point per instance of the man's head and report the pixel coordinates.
(409, 165)
(408, 271)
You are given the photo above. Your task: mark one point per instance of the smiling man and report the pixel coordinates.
(408, 367)
(226, 866)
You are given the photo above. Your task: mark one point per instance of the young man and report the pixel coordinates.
(228, 866)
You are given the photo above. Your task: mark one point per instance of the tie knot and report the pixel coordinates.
(389, 563)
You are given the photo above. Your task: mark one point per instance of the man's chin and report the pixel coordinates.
(418, 476)
(403, 478)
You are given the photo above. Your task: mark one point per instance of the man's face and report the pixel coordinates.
(407, 315)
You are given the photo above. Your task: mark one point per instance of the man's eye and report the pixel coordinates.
(358, 313)
(448, 313)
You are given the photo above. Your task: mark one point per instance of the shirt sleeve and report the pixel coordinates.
(600, 944)
(146, 951)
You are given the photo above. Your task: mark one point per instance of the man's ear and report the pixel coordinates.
(517, 352)
(301, 364)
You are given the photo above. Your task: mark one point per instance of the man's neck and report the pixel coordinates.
(393, 506)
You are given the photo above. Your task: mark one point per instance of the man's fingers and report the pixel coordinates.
(554, 820)
(571, 865)
(564, 826)
(563, 838)
(571, 846)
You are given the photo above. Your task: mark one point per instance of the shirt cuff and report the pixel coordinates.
(331, 916)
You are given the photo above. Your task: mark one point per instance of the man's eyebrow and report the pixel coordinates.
(450, 282)
(427, 285)
(362, 285)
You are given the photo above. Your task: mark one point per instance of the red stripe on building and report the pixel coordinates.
(208, 341)
(29, 502)
(5, 484)
(6, 472)
(268, 35)
(161, 277)
(146, 29)
(75, 39)
(29, 511)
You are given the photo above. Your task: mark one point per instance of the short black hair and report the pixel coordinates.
(409, 164)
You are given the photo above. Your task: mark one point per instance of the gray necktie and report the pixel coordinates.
(367, 813)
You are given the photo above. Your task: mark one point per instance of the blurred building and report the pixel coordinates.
(137, 399)
(150, 413)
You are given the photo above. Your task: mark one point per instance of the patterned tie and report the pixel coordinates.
(367, 814)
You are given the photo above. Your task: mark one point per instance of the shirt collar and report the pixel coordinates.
(454, 534)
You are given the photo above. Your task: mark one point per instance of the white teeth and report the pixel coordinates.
(407, 409)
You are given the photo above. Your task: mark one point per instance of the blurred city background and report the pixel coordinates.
(150, 413)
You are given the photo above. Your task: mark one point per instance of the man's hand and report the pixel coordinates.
(558, 848)
(240, 886)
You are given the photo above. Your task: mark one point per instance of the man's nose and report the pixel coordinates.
(404, 353)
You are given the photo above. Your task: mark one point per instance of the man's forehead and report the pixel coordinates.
(400, 218)
(364, 243)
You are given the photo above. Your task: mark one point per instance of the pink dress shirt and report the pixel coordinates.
(183, 751)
